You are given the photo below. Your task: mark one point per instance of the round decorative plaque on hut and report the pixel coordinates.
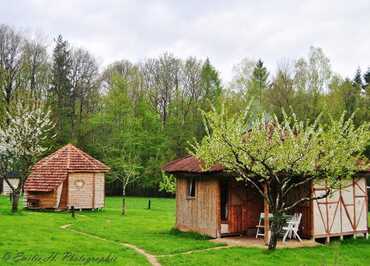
(79, 183)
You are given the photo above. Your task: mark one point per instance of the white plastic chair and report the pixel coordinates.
(292, 227)
(261, 224)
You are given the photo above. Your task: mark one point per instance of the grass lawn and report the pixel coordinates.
(39, 233)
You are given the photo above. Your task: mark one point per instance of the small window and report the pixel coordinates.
(191, 188)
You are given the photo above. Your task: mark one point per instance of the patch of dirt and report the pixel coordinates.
(259, 243)
(65, 226)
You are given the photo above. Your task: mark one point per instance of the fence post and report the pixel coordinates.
(149, 203)
(73, 211)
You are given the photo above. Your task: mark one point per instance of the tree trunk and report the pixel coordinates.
(123, 205)
(277, 223)
(273, 237)
(123, 200)
(15, 201)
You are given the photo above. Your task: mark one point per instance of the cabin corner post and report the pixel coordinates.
(312, 216)
(93, 192)
(367, 207)
(218, 210)
(266, 219)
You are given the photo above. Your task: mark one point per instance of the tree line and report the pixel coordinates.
(135, 116)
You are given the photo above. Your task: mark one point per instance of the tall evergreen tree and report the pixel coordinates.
(61, 90)
(357, 80)
(258, 82)
(210, 84)
(367, 78)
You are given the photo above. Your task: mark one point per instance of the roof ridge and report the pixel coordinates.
(83, 155)
(91, 160)
(68, 156)
(176, 160)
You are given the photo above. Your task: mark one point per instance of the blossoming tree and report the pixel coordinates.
(279, 157)
(23, 138)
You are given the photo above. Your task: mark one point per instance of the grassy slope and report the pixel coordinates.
(36, 233)
(148, 229)
(39, 233)
(348, 253)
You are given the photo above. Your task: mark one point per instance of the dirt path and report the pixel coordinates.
(151, 258)
(193, 251)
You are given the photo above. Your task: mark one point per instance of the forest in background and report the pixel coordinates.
(139, 115)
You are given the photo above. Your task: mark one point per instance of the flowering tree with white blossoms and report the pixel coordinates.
(23, 138)
(278, 158)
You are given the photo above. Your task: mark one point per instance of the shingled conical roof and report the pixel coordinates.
(50, 172)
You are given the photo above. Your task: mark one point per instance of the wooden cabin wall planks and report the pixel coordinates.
(64, 196)
(199, 214)
(58, 196)
(90, 195)
(245, 206)
(47, 200)
(99, 190)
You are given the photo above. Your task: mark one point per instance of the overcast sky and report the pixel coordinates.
(225, 31)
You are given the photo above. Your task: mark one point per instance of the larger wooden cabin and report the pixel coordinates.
(68, 177)
(212, 202)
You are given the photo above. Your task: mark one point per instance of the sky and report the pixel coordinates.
(224, 31)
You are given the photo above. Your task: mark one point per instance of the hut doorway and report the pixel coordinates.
(239, 208)
(224, 189)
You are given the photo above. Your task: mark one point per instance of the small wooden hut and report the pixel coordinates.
(12, 178)
(212, 202)
(68, 177)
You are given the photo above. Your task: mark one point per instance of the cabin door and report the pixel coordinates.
(224, 188)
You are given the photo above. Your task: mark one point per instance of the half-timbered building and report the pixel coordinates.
(212, 202)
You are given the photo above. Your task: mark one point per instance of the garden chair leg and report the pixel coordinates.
(296, 235)
(286, 234)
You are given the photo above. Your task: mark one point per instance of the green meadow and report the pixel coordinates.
(101, 238)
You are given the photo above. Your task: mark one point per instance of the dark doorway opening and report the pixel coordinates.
(224, 201)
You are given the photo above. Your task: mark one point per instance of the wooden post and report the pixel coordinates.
(93, 192)
(266, 219)
(149, 203)
(73, 211)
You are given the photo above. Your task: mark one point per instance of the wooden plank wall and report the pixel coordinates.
(245, 206)
(99, 190)
(64, 195)
(91, 195)
(80, 197)
(47, 200)
(58, 195)
(305, 227)
(201, 213)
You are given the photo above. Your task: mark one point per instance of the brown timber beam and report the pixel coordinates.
(266, 218)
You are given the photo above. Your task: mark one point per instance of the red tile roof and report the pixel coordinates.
(48, 173)
(190, 164)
